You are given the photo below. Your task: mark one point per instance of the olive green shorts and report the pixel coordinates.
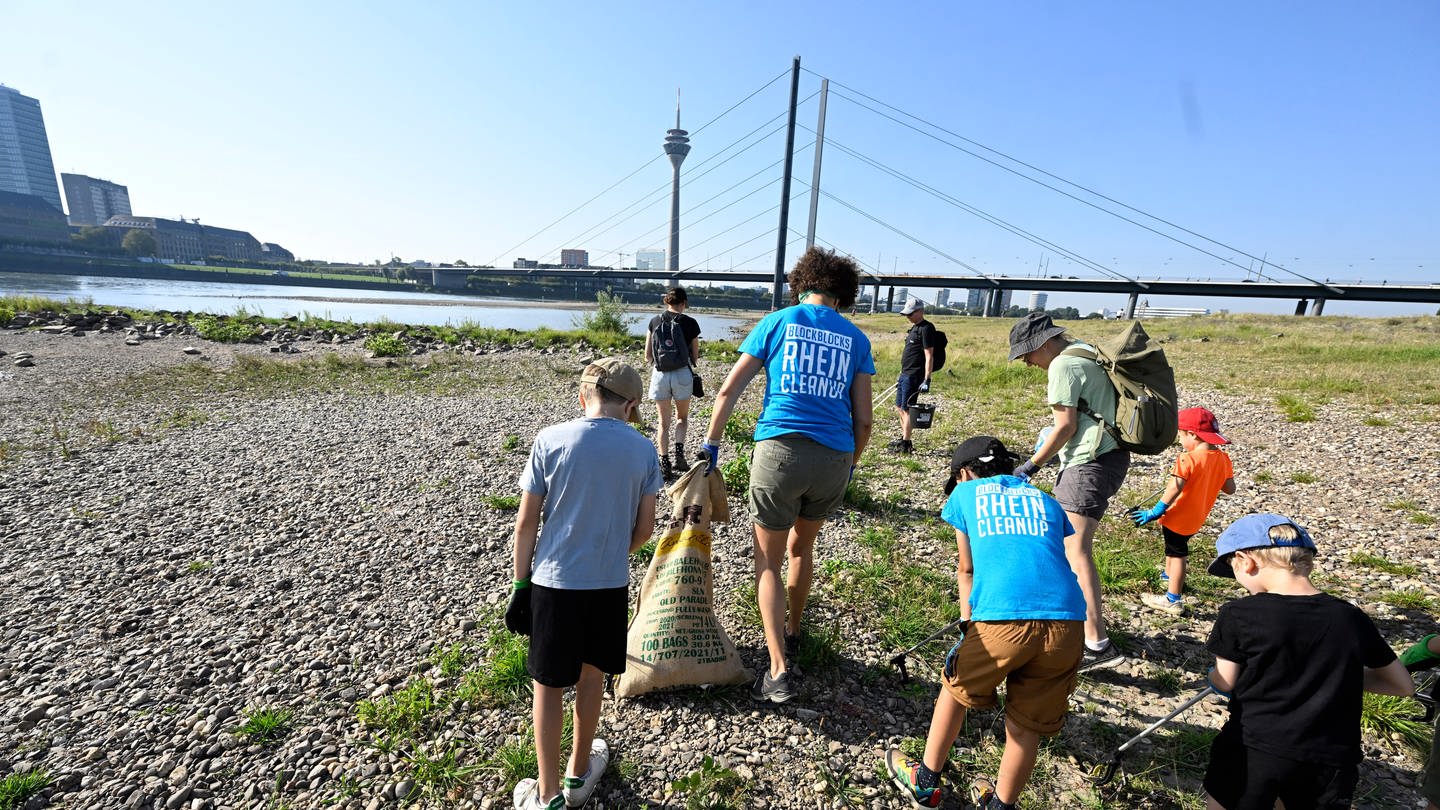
(792, 477)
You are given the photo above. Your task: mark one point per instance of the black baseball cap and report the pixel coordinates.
(973, 449)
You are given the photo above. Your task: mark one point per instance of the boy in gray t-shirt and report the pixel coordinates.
(594, 481)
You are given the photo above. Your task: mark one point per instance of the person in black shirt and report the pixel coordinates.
(1293, 661)
(916, 363)
(672, 349)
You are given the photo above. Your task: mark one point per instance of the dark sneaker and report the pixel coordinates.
(905, 773)
(666, 471)
(682, 466)
(903, 446)
(1104, 659)
(775, 690)
(792, 646)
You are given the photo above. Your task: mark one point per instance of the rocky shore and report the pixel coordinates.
(176, 559)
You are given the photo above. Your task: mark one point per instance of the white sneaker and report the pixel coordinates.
(576, 789)
(1162, 603)
(527, 797)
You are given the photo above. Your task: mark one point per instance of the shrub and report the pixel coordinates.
(225, 330)
(386, 346)
(609, 316)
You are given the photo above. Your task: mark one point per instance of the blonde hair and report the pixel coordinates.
(1298, 560)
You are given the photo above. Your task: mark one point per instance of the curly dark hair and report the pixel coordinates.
(825, 272)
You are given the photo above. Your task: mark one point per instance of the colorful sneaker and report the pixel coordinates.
(577, 789)
(905, 773)
(1163, 603)
(1103, 659)
(982, 792)
(527, 797)
(775, 690)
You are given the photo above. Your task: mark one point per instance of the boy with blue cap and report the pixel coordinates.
(1294, 661)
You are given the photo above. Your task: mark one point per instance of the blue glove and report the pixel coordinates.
(1208, 677)
(1026, 469)
(925, 386)
(712, 452)
(1141, 517)
(852, 474)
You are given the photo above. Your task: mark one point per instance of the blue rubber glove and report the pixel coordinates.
(1026, 469)
(712, 452)
(1209, 677)
(925, 386)
(1141, 517)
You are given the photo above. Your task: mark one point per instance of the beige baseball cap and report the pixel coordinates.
(619, 378)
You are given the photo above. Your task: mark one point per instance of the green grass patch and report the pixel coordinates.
(1303, 477)
(450, 661)
(501, 679)
(1381, 564)
(510, 443)
(1295, 409)
(199, 566)
(224, 329)
(386, 346)
(1388, 717)
(1264, 477)
(401, 713)
(1375, 421)
(440, 774)
(1411, 598)
(16, 788)
(504, 503)
(265, 726)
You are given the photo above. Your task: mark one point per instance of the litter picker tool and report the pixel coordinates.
(898, 660)
(1110, 768)
(883, 393)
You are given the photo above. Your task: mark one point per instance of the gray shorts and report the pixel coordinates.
(665, 385)
(1086, 489)
(793, 476)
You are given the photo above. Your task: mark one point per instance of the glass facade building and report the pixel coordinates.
(25, 164)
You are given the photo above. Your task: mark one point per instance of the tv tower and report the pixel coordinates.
(677, 146)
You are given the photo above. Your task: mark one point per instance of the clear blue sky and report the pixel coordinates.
(1302, 131)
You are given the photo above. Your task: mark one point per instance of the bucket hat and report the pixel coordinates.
(1030, 333)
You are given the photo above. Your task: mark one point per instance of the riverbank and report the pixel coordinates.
(197, 541)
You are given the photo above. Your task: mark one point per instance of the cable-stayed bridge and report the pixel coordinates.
(730, 180)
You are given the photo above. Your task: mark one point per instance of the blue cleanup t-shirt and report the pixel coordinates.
(592, 472)
(1017, 544)
(811, 356)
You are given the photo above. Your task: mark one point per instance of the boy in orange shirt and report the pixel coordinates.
(1201, 473)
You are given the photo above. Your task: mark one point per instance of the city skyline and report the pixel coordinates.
(1234, 122)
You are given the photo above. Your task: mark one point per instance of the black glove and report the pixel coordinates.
(1026, 469)
(517, 615)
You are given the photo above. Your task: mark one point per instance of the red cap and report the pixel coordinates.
(1202, 423)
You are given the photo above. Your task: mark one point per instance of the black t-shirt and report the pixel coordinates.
(920, 337)
(689, 327)
(1302, 667)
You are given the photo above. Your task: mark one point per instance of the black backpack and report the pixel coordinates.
(938, 343)
(668, 345)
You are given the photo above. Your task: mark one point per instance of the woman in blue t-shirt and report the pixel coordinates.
(813, 427)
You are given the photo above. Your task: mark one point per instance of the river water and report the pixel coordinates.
(335, 303)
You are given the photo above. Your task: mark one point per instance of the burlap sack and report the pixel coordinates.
(674, 639)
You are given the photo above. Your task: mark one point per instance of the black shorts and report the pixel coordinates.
(1176, 545)
(1242, 778)
(570, 628)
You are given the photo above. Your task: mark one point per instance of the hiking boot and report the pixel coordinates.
(527, 797)
(775, 690)
(1104, 659)
(905, 773)
(904, 446)
(666, 471)
(682, 465)
(577, 789)
(1164, 604)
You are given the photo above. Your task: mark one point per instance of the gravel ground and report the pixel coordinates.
(314, 550)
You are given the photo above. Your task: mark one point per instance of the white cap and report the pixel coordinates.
(912, 305)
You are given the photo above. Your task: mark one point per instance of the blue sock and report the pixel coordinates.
(1172, 597)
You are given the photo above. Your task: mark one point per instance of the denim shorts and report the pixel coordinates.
(1086, 489)
(792, 477)
(907, 390)
(677, 384)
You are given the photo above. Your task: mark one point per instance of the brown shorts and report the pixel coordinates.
(1036, 660)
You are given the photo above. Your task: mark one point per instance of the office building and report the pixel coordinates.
(93, 201)
(1037, 301)
(974, 299)
(526, 264)
(28, 218)
(573, 257)
(942, 298)
(189, 241)
(650, 260)
(25, 164)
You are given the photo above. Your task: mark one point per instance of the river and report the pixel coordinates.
(335, 303)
